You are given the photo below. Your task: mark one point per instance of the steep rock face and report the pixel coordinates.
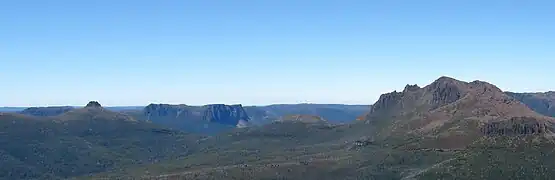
(516, 126)
(445, 90)
(225, 114)
(207, 119)
(409, 88)
(543, 103)
(214, 113)
(166, 110)
(387, 102)
(46, 111)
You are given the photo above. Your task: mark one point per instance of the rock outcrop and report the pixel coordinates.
(46, 111)
(387, 102)
(445, 90)
(516, 126)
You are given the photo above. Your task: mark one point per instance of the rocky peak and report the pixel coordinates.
(93, 104)
(446, 79)
(482, 86)
(446, 90)
(442, 92)
(459, 111)
(409, 88)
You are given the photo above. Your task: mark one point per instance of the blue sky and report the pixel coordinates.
(133, 52)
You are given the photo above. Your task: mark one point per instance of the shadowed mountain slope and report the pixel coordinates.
(543, 103)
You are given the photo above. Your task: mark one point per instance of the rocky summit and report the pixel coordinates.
(93, 104)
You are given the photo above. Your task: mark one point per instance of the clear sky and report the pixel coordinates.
(134, 52)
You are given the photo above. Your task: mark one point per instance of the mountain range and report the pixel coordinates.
(216, 118)
(449, 129)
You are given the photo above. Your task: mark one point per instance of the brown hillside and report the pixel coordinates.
(449, 108)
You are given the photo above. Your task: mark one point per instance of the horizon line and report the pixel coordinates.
(245, 105)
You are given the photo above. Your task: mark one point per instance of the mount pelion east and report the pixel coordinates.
(453, 113)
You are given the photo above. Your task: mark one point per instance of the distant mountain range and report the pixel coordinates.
(543, 103)
(215, 118)
(112, 108)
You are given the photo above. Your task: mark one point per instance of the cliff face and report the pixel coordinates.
(225, 114)
(206, 119)
(214, 113)
(46, 111)
(157, 111)
(516, 126)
